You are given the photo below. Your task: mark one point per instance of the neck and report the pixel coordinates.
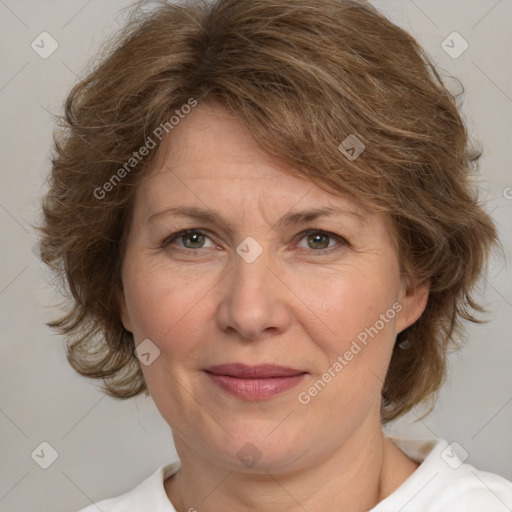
(356, 476)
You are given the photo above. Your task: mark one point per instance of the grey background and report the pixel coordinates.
(105, 446)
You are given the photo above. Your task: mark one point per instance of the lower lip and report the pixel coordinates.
(255, 389)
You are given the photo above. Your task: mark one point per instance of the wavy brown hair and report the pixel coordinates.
(302, 75)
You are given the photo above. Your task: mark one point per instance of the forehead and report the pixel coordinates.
(213, 145)
(212, 157)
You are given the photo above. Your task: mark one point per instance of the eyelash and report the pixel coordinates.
(302, 235)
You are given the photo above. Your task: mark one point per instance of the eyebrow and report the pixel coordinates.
(289, 219)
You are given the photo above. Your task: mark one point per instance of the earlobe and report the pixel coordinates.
(414, 301)
(123, 311)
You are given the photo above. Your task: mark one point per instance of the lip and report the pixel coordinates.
(254, 382)
(260, 371)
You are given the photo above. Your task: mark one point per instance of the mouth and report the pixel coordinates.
(254, 382)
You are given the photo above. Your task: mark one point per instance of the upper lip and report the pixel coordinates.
(261, 371)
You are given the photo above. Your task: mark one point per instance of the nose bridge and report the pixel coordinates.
(254, 301)
(252, 266)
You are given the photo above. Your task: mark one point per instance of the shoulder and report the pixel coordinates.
(443, 481)
(148, 496)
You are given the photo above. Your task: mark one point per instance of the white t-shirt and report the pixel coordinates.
(442, 483)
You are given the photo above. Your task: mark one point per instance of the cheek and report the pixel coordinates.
(355, 302)
(160, 303)
(360, 314)
(172, 316)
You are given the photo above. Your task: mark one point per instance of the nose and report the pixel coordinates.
(255, 301)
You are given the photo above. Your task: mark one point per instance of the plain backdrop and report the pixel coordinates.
(104, 446)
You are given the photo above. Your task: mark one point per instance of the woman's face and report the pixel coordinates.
(256, 283)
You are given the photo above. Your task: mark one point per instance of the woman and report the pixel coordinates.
(263, 214)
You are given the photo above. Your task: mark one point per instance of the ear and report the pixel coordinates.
(413, 298)
(123, 310)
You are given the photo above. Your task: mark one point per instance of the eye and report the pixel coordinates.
(191, 239)
(320, 241)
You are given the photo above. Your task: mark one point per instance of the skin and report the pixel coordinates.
(296, 305)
